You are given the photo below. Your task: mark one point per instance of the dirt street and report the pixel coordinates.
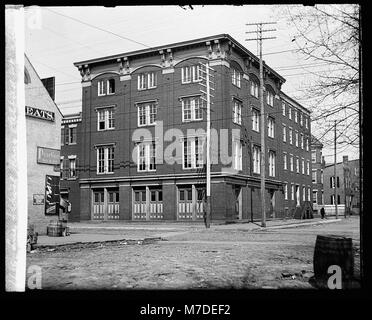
(221, 257)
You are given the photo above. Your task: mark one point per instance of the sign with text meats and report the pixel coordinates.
(52, 195)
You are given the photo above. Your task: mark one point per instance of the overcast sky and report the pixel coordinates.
(56, 37)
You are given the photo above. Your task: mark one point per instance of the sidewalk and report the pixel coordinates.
(89, 232)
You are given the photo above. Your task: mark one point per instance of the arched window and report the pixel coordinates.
(254, 86)
(270, 96)
(27, 78)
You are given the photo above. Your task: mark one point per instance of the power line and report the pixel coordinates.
(98, 28)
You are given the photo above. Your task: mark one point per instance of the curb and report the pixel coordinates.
(295, 225)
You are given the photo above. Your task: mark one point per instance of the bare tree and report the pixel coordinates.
(328, 36)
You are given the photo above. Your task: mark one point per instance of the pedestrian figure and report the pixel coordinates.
(322, 212)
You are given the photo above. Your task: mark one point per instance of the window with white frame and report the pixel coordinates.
(105, 118)
(285, 161)
(291, 162)
(193, 155)
(270, 98)
(302, 141)
(236, 77)
(105, 159)
(313, 156)
(146, 80)
(315, 196)
(308, 168)
(297, 165)
(308, 193)
(106, 87)
(272, 163)
(332, 182)
(295, 116)
(307, 144)
(283, 108)
(190, 74)
(146, 113)
(254, 88)
(192, 109)
(290, 136)
(321, 176)
(303, 165)
(237, 112)
(289, 113)
(313, 176)
(255, 120)
(296, 138)
(286, 191)
(256, 159)
(306, 123)
(146, 156)
(237, 154)
(72, 166)
(292, 191)
(271, 127)
(301, 119)
(303, 193)
(284, 133)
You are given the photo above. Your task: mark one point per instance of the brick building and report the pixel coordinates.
(69, 162)
(139, 105)
(43, 122)
(317, 173)
(347, 183)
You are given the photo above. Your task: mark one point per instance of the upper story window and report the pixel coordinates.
(295, 115)
(313, 156)
(297, 165)
(237, 154)
(62, 135)
(106, 87)
(301, 119)
(255, 120)
(146, 80)
(256, 159)
(146, 156)
(296, 136)
(271, 163)
(303, 165)
(192, 109)
(271, 127)
(306, 123)
(193, 155)
(72, 134)
(308, 168)
(285, 161)
(302, 141)
(290, 136)
(283, 108)
(236, 77)
(105, 159)
(291, 162)
(146, 113)
(307, 144)
(284, 133)
(105, 119)
(190, 74)
(237, 112)
(313, 176)
(270, 98)
(289, 113)
(286, 191)
(254, 88)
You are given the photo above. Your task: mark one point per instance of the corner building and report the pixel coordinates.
(137, 90)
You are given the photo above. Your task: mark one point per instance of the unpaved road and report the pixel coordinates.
(209, 258)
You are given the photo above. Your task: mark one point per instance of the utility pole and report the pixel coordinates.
(259, 38)
(208, 142)
(334, 172)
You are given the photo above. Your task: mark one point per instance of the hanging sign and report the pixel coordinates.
(39, 113)
(52, 195)
(48, 156)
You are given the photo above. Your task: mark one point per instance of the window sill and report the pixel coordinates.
(103, 173)
(108, 129)
(110, 94)
(146, 125)
(140, 171)
(144, 89)
(72, 178)
(194, 120)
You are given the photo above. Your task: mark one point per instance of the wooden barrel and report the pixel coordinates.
(54, 229)
(333, 250)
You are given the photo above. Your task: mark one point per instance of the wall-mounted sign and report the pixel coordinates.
(48, 156)
(52, 195)
(39, 113)
(37, 199)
